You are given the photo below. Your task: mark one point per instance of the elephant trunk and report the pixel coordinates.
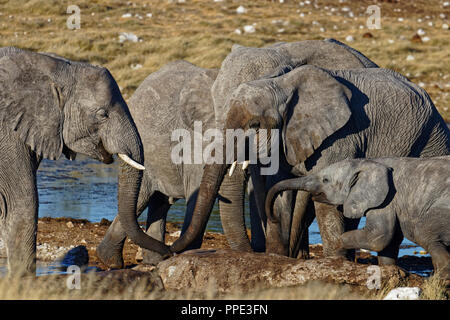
(231, 206)
(130, 151)
(129, 186)
(213, 175)
(303, 183)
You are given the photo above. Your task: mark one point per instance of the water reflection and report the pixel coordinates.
(87, 189)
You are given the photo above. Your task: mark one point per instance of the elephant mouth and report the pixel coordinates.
(319, 197)
(104, 156)
(69, 154)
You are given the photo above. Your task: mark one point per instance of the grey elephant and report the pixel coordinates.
(163, 88)
(399, 196)
(51, 106)
(326, 116)
(170, 99)
(245, 64)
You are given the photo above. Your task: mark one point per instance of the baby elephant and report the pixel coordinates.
(400, 197)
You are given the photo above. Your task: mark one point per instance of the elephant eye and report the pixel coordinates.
(325, 180)
(101, 114)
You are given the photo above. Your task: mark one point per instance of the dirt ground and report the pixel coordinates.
(58, 235)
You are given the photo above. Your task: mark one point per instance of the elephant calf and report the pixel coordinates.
(400, 197)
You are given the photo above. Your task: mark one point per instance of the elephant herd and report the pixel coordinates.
(355, 140)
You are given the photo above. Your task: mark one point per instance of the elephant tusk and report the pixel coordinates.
(245, 164)
(233, 166)
(131, 162)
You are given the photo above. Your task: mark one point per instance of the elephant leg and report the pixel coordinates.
(19, 234)
(389, 255)
(441, 260)
(302, 218)
(109, 251)
(19, 204)
(331, 227)
(156, 225)
(258, 238)
(376, 235)
(231, 206)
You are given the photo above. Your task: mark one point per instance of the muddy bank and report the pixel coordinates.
(56, 236)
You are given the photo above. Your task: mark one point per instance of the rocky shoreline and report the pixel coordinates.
(215, 261)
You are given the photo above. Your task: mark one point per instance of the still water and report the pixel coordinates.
(87, 189)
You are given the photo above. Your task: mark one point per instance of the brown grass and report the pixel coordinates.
(202, 32)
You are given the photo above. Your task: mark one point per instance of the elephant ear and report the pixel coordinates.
(317, 106)
(368, 188)
(31, 105)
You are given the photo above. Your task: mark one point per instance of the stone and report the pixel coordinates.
(403, 293)
(69, 224)
(228, 270)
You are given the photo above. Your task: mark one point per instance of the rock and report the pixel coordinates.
(349, 39)
(403, 293)
(139, 257)
(416, 38)
(241, 10)
(176, 234)
(78, 256)
(228, 270)
(249, 29)
(128, 36)
(410, 58)
(69, 224)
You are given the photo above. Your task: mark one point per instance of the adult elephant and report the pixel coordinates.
(246, 64)
(327, 116)
(51, 106)
(169, 101)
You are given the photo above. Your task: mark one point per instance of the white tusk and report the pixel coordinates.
(245, 164)
(233, 166)
(131, 162)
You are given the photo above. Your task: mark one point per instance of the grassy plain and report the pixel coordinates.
(203, 31)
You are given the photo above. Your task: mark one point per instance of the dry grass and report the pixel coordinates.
(94, 287)
(138, 285)
(203, 32)
(433, 288)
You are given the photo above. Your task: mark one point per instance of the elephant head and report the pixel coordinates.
(355, 184)
(307, 104)
(57, 106)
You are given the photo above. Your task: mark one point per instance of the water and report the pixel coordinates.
(87, 189)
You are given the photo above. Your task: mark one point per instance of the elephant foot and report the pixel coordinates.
(109, 256)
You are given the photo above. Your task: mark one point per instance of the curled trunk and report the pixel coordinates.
(289, 184)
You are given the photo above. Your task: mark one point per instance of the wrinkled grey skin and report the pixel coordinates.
(169, 99)
(51, 106)
(399, 196)
(245, 64)
(326, 116)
